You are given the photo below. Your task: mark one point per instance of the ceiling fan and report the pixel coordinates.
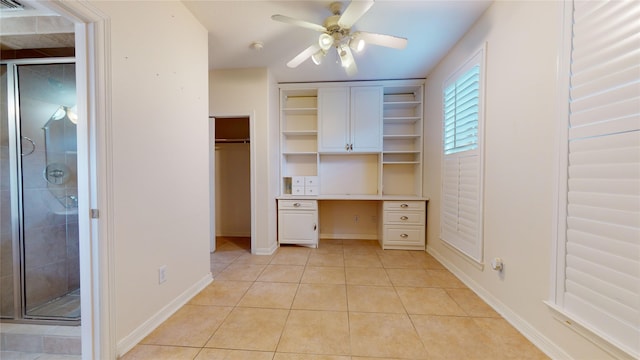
(336, 33)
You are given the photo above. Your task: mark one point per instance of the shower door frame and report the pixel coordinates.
(16, 188)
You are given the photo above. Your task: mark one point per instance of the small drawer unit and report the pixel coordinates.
(403, 225)
(298, 222)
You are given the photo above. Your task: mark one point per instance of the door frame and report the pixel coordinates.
(92, 44)
(212, 176)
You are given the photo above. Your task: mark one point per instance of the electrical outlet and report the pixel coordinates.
(162, 274)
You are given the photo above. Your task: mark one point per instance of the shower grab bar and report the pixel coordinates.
(33, 146)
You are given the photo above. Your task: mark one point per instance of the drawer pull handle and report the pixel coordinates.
(404, 206)
(404, 218)
(404, 236)
(296, 205)
(315, 226)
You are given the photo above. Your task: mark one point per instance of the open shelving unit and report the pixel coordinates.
(402, 140)
(298, 135)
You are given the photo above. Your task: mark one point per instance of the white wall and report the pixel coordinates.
(520, 134)
(159, 171)
(249, 92)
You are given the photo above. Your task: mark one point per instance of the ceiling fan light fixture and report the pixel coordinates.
(318, 56)
(325, 41)
(356, 44)
(346, 58)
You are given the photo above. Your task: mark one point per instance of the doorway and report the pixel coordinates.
(232, 182)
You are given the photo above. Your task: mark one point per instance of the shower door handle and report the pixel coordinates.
(33, 146)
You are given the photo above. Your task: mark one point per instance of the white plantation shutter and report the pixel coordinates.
(461, 207)
(602, 242)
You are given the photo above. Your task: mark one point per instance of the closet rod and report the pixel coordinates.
(233, 141)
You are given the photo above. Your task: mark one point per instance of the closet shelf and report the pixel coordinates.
(300, 111)
(401, 137)
(400, 119)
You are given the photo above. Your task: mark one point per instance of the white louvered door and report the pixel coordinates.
(602, 244)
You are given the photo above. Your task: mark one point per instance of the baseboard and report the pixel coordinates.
(266, 251)
(545, 344)
(349, 236)
(131, 340)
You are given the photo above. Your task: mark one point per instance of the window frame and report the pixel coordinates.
(474, 251)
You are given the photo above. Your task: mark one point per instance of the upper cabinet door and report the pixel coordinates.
(366, 119)
(333, 119)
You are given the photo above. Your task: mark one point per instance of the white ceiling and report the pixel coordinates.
(432, 28)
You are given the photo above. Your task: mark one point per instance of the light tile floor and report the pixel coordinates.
(348, 299)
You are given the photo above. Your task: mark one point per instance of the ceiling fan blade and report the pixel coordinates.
(296, 22)
(347, 60)
(382, 40)
(304, 55)
(353, 12)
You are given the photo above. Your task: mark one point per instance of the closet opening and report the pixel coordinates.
(232, 184)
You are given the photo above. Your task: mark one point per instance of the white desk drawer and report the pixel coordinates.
(404, 217)
(310, 181)
(298, 204)
(404, 235)
(404, 205)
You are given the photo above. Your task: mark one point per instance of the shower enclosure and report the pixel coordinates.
(39, 258)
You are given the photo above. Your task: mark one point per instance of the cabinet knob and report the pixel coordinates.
(404, 218)
(296, 205)
(404, 236)
(346, 147)
(404, 206)
(350, 146)
(315, 226)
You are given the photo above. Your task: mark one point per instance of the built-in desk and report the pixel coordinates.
(401, 219)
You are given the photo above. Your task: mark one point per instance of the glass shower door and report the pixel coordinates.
(44, 134)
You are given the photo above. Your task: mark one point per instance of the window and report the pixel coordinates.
(461, 217)
(598, 242)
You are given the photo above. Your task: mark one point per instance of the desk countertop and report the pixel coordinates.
(354, 197)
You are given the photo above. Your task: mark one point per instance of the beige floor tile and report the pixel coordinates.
(241, 272)
(288, 356)
(323, 275)
(449, 337)
(326, 259)
(365, 260)
(269, 295)
(220, 256)
(379, 299)
(217, 268)
(222, 293)
(471, 303)
(329, 247)
(399, 259)
(316, 332)
(226, 354)
(428, 301)
(409, 277)
(290, 256)
(330, 297)
(146, 352)
(250, 329)
(366, 276)
(282, 273)
(427, 261)
(444, 279)
(191, 325)
(384, 335)
(511, 344)
(248, 258)
(362, 249)
(352, 243)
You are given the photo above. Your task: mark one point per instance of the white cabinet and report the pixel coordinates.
(298, 222)
(403, 225)
(350, 119)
